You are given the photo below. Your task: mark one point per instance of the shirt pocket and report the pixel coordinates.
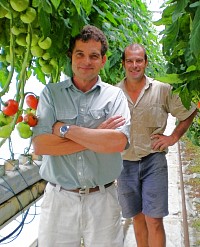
(154, 116)
(68, 116)
(95, 117)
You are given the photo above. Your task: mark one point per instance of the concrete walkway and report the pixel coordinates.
(173, 222)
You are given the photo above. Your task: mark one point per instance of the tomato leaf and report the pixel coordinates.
(170, 78)
(44, 22)
(195, 34)
(3, 75)
(56, 3)
(36, 3)
(77, 4)
(39, 75)
(185, 97)
(180, 9)
(87, 5)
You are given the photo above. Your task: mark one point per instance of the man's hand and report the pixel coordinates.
(112, 123)
(161, 142)
(56, 128)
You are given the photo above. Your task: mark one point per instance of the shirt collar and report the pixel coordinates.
(69, 83)
(148, 82)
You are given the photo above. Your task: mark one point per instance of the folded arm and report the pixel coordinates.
(53, 144)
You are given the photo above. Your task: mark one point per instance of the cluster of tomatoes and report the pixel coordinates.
(24, 122)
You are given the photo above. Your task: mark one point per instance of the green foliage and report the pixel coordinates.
(123, 22)
(181, 39)
(129, 23)
(23, 31)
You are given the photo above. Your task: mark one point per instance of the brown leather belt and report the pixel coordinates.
(86, 190)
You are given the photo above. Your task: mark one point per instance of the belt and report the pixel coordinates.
(86, 190)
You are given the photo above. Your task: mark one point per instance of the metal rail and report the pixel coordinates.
(184, 209)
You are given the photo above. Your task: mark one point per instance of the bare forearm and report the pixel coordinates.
(161, 142)
(98, 140)
(49, 144)
(182, 127)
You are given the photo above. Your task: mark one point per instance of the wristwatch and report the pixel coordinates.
(63, 130)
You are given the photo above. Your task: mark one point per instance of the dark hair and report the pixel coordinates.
(134, 46)
(87, 33)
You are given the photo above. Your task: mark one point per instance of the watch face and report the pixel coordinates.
(64, 128)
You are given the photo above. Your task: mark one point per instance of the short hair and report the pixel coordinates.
(89, 32)
(134, 46)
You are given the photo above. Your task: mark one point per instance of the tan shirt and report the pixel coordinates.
(149, 116)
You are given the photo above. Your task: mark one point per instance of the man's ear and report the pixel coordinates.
(104, 59)
(147, 62)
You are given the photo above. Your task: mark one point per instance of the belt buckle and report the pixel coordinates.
(85, 191)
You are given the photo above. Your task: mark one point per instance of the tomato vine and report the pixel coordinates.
(181, 38)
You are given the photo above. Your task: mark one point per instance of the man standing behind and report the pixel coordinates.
(83, 128)
(143, 183)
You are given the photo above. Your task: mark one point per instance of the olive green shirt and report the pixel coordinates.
(149, 116)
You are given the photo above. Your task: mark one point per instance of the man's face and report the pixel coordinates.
(87, 60)
(135, 63)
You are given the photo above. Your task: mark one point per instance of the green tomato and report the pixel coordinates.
(42, 62)
(21, 39)
(34, 40)
(16, 31)
(4, 120)
(29, 16)
(19, 50)
(45, 43)
(19, 5)
(3, 12)
(5, 131)
(14, 14)
(46, 56)
(24, 130)
(47, 68)
(54, 62)
(37, 51)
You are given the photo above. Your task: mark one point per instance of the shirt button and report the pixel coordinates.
(79, 158)
(81, 109)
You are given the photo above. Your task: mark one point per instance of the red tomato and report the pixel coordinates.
(10, 108)
(198, 105)
(20, 119)
(32, 101)
(30, 119)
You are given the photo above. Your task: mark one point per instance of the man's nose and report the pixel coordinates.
(133, 64)
(87, 60)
